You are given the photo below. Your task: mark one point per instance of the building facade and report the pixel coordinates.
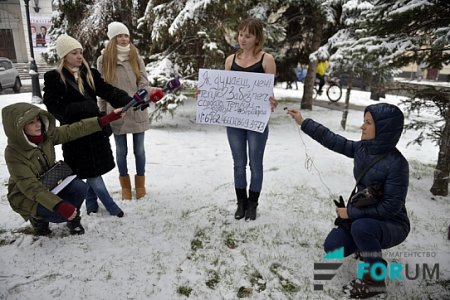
(14, 41)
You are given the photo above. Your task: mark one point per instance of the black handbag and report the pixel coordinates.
(362, 197)
(356, 197)
(55, 175)
(368, 196)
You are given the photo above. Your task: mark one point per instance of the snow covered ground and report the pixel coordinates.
(183, 240)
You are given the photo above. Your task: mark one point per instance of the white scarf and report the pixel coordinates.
(123, 52)
(75, 72)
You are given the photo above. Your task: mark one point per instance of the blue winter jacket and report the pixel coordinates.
(392, 170)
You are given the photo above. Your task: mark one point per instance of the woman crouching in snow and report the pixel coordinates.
(380, 224)
(30, 152)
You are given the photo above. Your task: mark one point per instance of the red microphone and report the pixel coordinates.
(156, 95)
(171, 86)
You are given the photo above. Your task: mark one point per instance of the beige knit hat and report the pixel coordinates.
(65, 44)
(116, 28)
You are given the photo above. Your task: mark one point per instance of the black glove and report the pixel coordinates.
(341, 202)
(344, 223)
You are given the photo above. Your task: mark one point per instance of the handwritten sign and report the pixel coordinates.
(234, 99)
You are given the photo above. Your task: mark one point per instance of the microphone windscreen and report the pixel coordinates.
(156, 95)
(172, 85)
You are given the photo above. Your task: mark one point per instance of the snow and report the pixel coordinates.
(183, 236)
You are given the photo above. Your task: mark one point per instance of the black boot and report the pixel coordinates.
(366, 287)
(241, 195)
(40, 227)
(250, 213)
(75, 226)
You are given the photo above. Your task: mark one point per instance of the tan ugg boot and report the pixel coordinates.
(125, 183)
(139, 182)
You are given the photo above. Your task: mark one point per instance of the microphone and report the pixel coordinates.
(154, 97)
(158, 94)
(172, 85)
(138, 97)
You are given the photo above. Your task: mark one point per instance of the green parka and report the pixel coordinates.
(26, 161)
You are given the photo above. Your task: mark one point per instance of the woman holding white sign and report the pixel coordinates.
(249, 58)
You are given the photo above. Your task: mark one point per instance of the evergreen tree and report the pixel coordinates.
(87, 21)
(392, 34)
(422, 28)
(187, 35)
(316, 22)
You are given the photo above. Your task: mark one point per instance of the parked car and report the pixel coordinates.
(365, 81)
(356, 82)
(9, 76)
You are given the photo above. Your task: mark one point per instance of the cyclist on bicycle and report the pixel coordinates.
(322, 66)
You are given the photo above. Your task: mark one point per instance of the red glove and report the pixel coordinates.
(65, 209)
(112, 116)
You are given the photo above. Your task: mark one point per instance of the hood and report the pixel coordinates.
(389, 121)
(14, 118)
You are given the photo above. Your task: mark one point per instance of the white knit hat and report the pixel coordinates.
(65, 44)
(116, 28)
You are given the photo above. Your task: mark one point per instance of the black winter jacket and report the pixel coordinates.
(392, 171)
(89, 156)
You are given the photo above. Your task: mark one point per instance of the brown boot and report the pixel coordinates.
(126, 187)
(139, 182)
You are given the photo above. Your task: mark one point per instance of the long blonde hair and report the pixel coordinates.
(255, 27)
(89, 78)
(110, 62)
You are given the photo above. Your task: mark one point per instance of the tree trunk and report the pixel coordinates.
(442, 170)
(308, 86)
(441, 173)
(311, 74)
(347, 101)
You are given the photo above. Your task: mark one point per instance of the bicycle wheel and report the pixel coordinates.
(334, 92)
(314, 95)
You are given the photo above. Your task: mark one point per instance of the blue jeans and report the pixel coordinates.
(73, 193)
(238, 140)
(122, 151)
(366, 236)
(96, 188)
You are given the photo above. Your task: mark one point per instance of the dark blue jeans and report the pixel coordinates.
(238, 140)
(368, 236)
(122, 151)
(74, 193)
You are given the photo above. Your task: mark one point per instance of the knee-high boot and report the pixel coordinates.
(139, 182)
(126, 187)
(241, 195)
(250, 213)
